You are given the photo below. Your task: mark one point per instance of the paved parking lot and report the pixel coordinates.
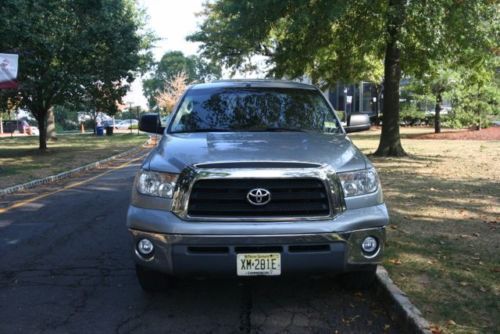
(66, 267)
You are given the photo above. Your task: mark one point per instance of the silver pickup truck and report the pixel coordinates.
(255, 178)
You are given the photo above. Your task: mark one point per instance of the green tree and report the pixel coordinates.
(67, 48)
(441, 78)
(171, 64)
(476, 97)
(343, 40)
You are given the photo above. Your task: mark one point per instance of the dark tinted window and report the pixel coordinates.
(253, 109)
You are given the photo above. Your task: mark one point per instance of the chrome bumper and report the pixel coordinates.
(184, 254)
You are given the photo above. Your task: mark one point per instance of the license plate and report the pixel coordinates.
(258, 264)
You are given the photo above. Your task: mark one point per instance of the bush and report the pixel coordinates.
(65, 119)
(89, 124)
(411, 115)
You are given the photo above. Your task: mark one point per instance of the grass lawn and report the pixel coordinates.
(444, 241)
(20, 160)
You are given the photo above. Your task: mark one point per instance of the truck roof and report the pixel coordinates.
(264, 83)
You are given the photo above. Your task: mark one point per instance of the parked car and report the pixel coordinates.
(12, 127)
(255, 178)
(33, 130)
(126, 124)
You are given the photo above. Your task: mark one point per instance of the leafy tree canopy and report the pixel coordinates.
(349, 40)
(73, 50)
(171, 64)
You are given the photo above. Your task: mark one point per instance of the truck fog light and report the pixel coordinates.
(369, 245)
(145, 247)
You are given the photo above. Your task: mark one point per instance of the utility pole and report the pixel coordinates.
(138, 113)
(130, 115)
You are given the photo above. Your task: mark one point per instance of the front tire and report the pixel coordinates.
(151, 280)
(359, 280)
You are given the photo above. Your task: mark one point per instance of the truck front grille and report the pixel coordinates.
(297, 197)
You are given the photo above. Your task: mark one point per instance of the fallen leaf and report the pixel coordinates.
(435, 329)
(451, 323)
(395, 261)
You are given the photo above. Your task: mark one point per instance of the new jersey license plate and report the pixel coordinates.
(258, 264)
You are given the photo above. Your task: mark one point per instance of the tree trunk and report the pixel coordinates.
(437, 116)
(51, 125)
(41, 117)
(390, 141)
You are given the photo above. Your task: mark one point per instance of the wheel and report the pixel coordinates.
(359, 280)
(150, 280)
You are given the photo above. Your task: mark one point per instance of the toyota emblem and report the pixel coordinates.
(259, 196)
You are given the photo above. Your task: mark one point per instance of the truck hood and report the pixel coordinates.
(177, 151)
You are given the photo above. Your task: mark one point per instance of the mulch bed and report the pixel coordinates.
(492, 133)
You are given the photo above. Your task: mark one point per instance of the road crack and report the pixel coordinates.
(246, 309)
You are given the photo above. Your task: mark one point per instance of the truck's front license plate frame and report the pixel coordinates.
(258, 264)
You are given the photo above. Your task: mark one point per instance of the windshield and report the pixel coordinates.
(254, 109)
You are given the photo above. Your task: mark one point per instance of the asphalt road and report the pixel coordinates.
(66, 267)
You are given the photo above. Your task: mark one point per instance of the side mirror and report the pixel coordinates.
(151, 123)
(358, 122)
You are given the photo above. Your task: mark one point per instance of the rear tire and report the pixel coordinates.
(359, 280)
(151, 280)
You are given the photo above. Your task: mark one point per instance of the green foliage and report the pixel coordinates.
(172, 63)
(349, 41)
(66, 119)
(410, 114)
(476, 104)
(73, 51)
(341, 40)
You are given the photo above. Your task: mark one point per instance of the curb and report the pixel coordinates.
(64, 175)
(407, 315)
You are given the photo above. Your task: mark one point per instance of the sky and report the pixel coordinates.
(172, 21)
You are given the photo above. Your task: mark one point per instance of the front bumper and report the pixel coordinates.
(187, 255)
(210, 248)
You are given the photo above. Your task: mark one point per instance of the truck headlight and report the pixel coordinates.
(359, 182)
(156, 184)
